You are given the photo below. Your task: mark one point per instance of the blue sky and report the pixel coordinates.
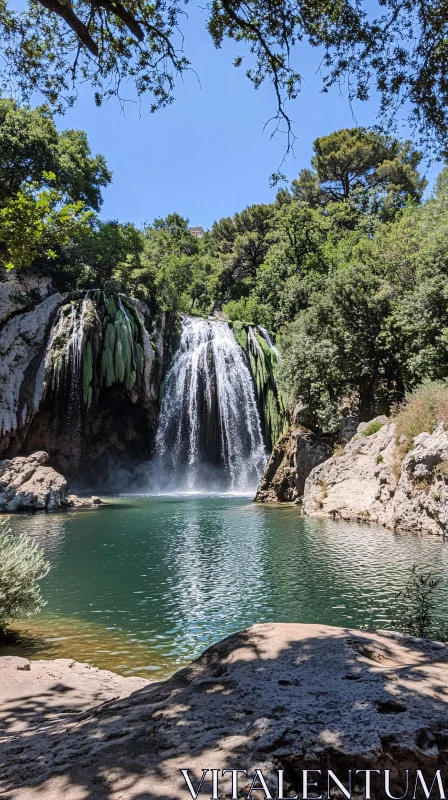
(206, 156)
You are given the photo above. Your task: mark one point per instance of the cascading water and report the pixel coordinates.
(267, 338)
(209, 435)
(67, 380)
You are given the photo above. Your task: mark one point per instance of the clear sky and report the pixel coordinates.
(206, 156)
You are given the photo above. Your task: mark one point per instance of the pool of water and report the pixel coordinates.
(146, 584)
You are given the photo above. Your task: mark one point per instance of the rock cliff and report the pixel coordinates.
(295, 454)
(80, 377)
(368, 481)
(274, 697)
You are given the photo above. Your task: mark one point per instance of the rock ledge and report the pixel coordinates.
(276, 696)
(27, 484)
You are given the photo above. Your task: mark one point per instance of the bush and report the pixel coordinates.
(424, 408)
(22, 565)
(371, 428)
(415, 606)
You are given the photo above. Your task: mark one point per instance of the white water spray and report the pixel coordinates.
(267, 337)
(209, 435)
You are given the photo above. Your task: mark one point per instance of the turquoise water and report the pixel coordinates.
(146, 584)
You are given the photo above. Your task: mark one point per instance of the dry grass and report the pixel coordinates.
(339, 451)
(441, 470)
(423, 410)
(324, 489)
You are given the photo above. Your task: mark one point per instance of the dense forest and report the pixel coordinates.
(347, 268)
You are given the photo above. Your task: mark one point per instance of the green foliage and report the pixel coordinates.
(87, 375)
(49, 186)
(107, 356)
(415, 606)
(371, 428)
(113, 350)
(263, 367)
(180, 267)
(423, 409)
(249, 310)
(22, 566)
(32, 151)
(37, 224)
(372, 172)
(396, 50)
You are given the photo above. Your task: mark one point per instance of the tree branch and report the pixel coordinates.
(68, 15)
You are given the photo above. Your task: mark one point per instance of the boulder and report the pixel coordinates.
(369, 482)
(274, 697)
(420, 501)
(26, 483)
(292, 459)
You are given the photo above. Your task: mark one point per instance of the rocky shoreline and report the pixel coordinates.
(29, 484)
(366, 479)
(254, 700)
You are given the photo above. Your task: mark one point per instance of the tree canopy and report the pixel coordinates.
(367, 169)
(400, 51)
(50, 184)
(347, 269)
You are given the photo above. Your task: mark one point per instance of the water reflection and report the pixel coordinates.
(151, 583)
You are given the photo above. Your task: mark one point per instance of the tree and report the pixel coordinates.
(401, 51)
(241, 243)
(369, 171)
(337, 349)
(22, 566)
(105, 255)
(36, 224)
(50, 186)
(32, 150)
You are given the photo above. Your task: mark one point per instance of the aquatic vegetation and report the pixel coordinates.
(263, 359)
(101, 335)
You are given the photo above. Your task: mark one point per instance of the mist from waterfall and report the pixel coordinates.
(209, 436)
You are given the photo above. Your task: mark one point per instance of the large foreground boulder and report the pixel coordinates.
(369, 480)
(274, 697)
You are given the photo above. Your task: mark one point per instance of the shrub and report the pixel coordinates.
(424, 408)
(22, 566)
(324, 489)
(441, 470)
(415, 606)
(371, 428)
(379, 458)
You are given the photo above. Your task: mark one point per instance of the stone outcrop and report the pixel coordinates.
(30, 484)
(368, 481)
(276, 696)
(295, 454)
(26, 483)
(23, 341)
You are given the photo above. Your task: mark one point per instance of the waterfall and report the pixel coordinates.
(63, 366)
(267, 338)
(209, 435)
(75, 344)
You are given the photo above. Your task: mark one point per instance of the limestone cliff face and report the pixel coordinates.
(89, 396)
(295, 454)
(368, 481)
